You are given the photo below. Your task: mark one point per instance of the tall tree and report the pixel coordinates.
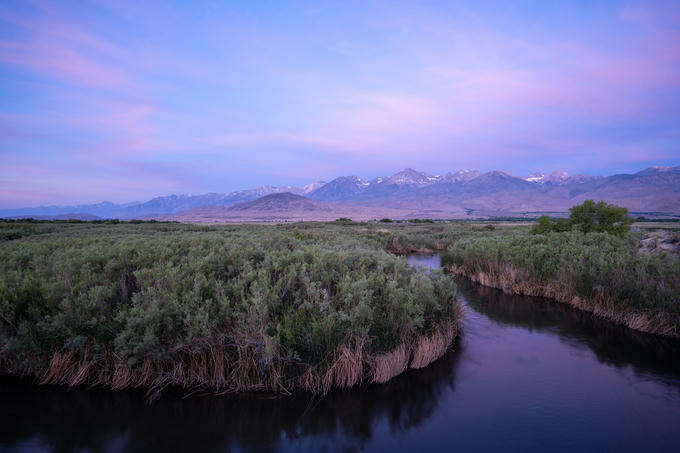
(601, 217)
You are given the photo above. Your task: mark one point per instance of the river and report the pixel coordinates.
(526, 374)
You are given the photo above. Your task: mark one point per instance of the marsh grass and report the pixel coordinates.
(312, 306)
(230, 308)
(594, 272)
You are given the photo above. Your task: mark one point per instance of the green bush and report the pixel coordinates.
(146, 291)
(588, 217)
(600, 217)
(591, 262)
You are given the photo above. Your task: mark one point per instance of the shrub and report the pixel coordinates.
(271, 303)
(561, 225)
(579, 264)
(543, 226)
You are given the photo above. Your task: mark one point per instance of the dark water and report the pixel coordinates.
(526, 375)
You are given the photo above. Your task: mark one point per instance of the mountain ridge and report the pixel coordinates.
(652, 189)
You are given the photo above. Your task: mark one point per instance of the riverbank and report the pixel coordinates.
(596, 273)
(504, 278)
(584, 377)
(230, 369)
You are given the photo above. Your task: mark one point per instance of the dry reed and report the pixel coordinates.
(239, 366)
(512, 280)
(430, 348)
(391, 364)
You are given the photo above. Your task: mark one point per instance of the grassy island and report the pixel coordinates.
(230, 307)
(631, 278)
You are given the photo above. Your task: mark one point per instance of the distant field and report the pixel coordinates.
(657, 225)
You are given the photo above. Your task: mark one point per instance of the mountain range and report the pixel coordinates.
(414, 193)
(284, 207)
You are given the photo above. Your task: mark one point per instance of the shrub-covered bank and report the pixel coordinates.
(232, 308)
(595, 272)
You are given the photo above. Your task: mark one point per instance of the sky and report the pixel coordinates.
(124, 101)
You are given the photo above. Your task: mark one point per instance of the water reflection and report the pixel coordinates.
(612, 344)
(526, 374)
(74, 420)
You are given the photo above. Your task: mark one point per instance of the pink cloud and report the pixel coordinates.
(384, 112)
(587, 82)
(63, 63)
(58, 49)
(25, 182)
(125, 127)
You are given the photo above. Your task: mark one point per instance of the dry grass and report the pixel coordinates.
(440, 246)
(238, 369)
(512, 280)
(397, 248)
(59, 369)
(239, 366)
(429, 349)
(346, 370)
(82, 370)
(122, 374)
(391, 364)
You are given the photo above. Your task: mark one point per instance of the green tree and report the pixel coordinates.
(601, 217)
(543, 226)
(561, 225)
(583, 216)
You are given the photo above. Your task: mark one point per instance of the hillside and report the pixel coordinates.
(282, 208)
(280, 202)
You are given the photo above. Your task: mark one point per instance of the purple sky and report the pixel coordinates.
(125, 101)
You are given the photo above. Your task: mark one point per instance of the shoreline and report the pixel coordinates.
(214, 370)
(504, 279)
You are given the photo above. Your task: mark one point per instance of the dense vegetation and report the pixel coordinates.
(588, 217)
(598, 272)
(228, 307)
(279, 307)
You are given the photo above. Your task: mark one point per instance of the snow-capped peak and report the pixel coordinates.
(312, 187)
(536, 177)
(411, 177)
(559, 175)
(460, 176)
(556, 177)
